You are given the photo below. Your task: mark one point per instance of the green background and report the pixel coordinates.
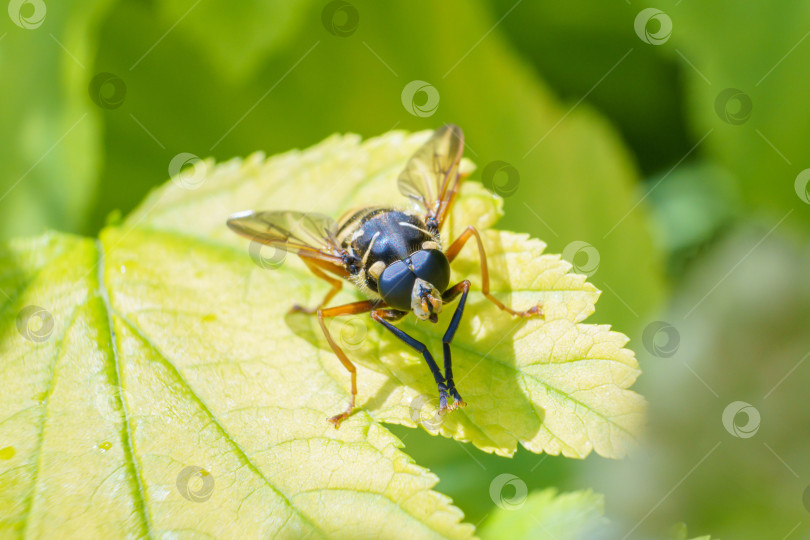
(688, 197)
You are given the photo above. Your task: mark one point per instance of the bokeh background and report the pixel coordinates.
(663, 149)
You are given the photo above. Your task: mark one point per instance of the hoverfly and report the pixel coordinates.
(393, 256)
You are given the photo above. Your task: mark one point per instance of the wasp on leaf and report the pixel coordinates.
(395, 257)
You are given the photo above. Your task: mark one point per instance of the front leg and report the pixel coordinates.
(449, 295)
(380, 316)
(452, 252)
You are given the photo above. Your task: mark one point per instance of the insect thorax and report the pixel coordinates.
(386, 235)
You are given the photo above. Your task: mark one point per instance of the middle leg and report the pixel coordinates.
(346, 309)
(336, 284)
(380, 315)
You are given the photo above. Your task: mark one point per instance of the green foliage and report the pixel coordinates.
(172, 360)
(106, 418)
(243, 36)
(226, 79)
(50, 142)
(502, 106)
(766, 146)
(546, 515)
(757, 352)
(679, 531)
(579, 48)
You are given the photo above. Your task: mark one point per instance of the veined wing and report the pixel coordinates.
(349, 222)
(306, 234)
(431, 177)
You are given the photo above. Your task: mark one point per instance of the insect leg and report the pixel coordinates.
(379, 316)
(451, 254)
(337, 284)
(391, 315)
(449, 295)
(346, 309)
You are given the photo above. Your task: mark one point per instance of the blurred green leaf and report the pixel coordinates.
(690, 208)
(679, 531)
(50, 142)
(465, 473)
(236, 36)
(547, 515)
(738, 333)
(761, 52)
(576, 46)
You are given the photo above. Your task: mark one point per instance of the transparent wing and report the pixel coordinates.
(431, 177)
(306, 234)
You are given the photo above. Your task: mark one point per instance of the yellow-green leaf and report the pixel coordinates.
(555, 386)
(546, 515)
(154, 381)
(679, 531)
(109, 428)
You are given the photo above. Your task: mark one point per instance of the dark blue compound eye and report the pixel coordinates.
(396, 285)
(432, 266)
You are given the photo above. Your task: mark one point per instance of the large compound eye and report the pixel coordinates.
(396, 285)
(432, 266)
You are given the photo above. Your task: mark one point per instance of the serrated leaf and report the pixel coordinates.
(172, 350)
(547, 515)
(554, 386)
(104, 433)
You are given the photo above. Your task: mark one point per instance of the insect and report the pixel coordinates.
(394, 256)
